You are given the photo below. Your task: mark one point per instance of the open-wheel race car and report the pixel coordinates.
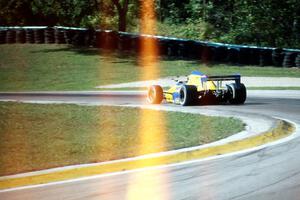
(201, 89)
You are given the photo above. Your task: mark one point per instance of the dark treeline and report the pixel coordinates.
(258, 22)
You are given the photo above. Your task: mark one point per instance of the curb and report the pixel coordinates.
(281, 130)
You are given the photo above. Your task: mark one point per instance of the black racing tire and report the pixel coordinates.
(10, 36)
(238, 95)
(59, 36)
(155, 94)
(188, 95)
(297, 60)
(20, 36)
(49, 35)
(289, 59)
(277, 57)
(29, 36)
(39, 36)
(3, 36)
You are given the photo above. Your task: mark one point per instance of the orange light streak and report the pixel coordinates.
(148, 45)
(152, 131)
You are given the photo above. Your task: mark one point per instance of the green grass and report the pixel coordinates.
(35, 136)
(60, 67)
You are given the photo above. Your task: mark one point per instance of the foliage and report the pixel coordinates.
(196, 29)
(117, 14)
(268, 22)
(265, 22)
(15, 12)
(46, 12)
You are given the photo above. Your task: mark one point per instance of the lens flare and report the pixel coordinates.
(148, 45)
(143, 184)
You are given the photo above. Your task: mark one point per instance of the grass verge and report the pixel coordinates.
(60, 67)
(35, 137)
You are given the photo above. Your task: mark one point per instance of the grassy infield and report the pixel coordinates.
(43, 136)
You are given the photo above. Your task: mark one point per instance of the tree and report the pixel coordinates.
(67, 12)
(122, 8)
(172, 10)
(15, 12)
(268, 22)
(46, 12)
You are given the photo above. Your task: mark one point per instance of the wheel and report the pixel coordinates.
(238, 95)
(155, 94)
(188, 95)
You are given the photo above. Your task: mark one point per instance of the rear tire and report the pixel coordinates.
(188, 95)
(155, 94)
(238, 95)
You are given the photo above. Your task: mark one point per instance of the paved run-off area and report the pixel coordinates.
(248, 81)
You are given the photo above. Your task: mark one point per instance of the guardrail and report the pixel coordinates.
(168, 46)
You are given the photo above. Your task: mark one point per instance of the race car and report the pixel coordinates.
(198, 88)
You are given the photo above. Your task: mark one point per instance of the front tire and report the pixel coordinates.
(155, 94)
(188, 95)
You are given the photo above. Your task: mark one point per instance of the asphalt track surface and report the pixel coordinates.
(270, 172)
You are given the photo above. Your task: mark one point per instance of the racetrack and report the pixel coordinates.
(268, 172)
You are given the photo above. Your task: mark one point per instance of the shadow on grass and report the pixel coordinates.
(113, 56)
(132, 56)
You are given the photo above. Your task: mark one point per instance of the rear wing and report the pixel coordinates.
(236, 78)
(219, 79)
